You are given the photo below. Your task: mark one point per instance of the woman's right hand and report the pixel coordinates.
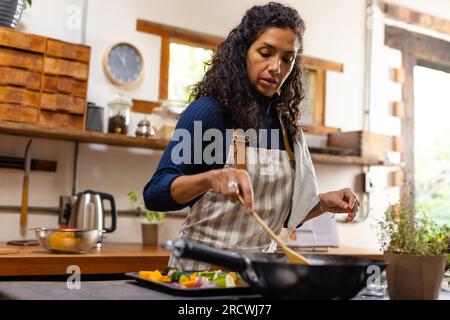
(222, 181)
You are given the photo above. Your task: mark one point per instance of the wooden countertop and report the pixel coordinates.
(366, 253)
(112, 258)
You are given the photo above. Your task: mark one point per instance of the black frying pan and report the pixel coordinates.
(327, 277)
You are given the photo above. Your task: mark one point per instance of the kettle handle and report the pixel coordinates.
(110, 198)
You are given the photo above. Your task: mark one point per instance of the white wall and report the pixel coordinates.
(60, 19)
(335, 31)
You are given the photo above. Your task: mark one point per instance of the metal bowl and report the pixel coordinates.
(67, 240)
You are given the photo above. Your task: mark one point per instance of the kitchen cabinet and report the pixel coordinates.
(48, 75)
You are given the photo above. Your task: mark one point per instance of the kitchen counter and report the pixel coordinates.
(365, 253)
(112, 258)
(111, 290)
(103, 273)
(90, 290)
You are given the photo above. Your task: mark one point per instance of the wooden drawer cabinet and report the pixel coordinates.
(19, 59)
(19, 96)
(60, 120)
(69, 51)
(64, 85)
(20, 77)
(18, 113)
(43, 80)
(20, 40)
(62, 102)
(66, 68)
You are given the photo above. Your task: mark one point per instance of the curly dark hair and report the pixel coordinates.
(226, 78)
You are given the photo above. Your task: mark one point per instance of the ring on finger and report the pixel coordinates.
(232, 184)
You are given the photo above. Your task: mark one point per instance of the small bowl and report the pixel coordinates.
(67, 240)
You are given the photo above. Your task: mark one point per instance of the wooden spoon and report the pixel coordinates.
(292, 256)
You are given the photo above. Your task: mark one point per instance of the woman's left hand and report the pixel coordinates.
(341, 201)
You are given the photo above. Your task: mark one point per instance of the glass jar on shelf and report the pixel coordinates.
(119, 110)
(170, 109)
(166, 116)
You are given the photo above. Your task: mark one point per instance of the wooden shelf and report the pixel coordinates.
(319, 129)
(35, 131)
(349, 160)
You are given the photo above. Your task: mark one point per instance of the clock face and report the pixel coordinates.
(124, 63)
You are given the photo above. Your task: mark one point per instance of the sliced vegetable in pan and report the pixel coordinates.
(202, 279)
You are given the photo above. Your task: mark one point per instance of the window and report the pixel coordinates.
(183, 54)
(313, 107)
(308, 106)
(186, 67)
(431, 143)
(430, 163)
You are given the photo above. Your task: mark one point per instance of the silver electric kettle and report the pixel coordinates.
(86, 211)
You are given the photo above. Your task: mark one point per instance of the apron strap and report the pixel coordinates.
(286, 143)
(240, 142)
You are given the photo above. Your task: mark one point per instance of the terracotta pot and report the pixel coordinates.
(150, 233)
(413, 277)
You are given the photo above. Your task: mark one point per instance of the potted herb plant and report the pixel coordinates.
(11, 12)
(152, 220)
(415, 248)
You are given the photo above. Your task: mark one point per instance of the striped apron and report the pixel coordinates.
(217, 222)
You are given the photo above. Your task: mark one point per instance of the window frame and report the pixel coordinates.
(170, 35)
(320, 67)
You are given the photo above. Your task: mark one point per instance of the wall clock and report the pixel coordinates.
(123, 65)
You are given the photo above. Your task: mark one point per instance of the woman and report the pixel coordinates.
(253, 84)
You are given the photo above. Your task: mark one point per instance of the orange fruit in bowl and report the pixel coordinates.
(62, 241)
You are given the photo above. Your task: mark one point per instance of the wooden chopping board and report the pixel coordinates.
(8, 251)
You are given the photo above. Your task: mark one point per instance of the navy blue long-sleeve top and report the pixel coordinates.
(157, 195)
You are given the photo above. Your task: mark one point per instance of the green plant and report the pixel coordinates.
(152, 216)
(29, 3)
(411, 231)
